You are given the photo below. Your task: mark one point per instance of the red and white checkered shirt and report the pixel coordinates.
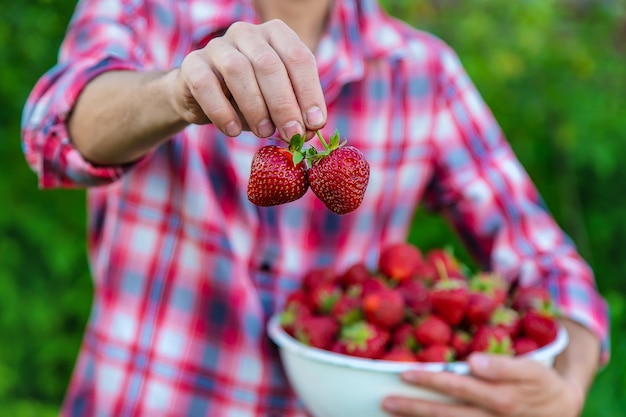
(187, 270)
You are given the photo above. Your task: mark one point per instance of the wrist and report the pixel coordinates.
(577, 396)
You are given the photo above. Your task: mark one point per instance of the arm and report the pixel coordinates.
(578, 363)
(121, 115)
(98, 110)
(482, 189)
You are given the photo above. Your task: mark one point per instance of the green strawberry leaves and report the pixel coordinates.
(295, 147)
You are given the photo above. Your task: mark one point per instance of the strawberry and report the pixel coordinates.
(278, 175)
(355, 274)
(432, 331)
(404, 336)
(317, 331)
(318, 275)
(524, 345)
(444, 262)
(363, 339)
(491, 339)
(436, 353)
(416, 296)
(480, 308)
(399, 354)
(449, 300)
(530, 298)
(540, 326)
(323, 297)
(507, 319)
(368, 286)
(347, 309)
(461, 342)
(384, 308)
(426, 273)
(296, 307)
(399, 261)
(492, 284)
(339, 175)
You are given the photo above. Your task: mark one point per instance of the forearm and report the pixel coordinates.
(579, 361)
(121, 115)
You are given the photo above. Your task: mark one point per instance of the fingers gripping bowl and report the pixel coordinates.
(345, 337)
(335, 385)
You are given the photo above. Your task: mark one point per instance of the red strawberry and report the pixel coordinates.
(461, 342)
(347, 309)
(384, 308)
(492, 284)
(363, 339)
(318, 275)
(416, 296)
(449, 300)
(530, 298)
(492, 339)
(399, 354)
(322, 297)
(524, 345)
(404, 335)
(296, 307)
(444, 262)
(433, 331)
(508, 319)
(540, 326)
(278, 175)
(480, 308)
(317, 331)
(355, 274)
(399, 261)
(436, 353)
(369, 286)
(339, 175)
(426, 273)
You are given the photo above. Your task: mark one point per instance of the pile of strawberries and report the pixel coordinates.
(416, 308)
(338, 175)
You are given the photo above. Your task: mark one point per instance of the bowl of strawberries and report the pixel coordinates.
(345, 337)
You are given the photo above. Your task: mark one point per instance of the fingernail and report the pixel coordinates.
(390, 405)
(479, 362)
(232, 129)
(265, 128)
(293, 128)
(411, 377)
(314, 117)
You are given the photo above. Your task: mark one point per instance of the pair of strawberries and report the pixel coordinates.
(417, 308)
(338, 175)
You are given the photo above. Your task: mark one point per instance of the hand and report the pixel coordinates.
(500, 386)
(255, 77)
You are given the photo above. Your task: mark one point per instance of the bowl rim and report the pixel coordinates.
(284, 341)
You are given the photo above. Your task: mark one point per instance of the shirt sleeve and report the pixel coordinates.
(102, 36)
(481, 187)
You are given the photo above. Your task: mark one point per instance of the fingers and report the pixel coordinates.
(257, 76)
(203, 96)
(468, 389)
(507, 369)
(240, 81)
(406, 407)
(302, 69)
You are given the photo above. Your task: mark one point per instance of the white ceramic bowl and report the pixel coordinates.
(334, 385)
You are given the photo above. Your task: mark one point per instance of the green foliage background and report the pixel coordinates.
(552, 71)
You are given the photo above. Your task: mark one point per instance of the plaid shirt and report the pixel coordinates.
(187, 271)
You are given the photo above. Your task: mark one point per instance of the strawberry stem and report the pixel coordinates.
(321, 138)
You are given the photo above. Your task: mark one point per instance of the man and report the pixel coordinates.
(158, 107)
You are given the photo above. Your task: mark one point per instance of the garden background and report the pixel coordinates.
(553, 72)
